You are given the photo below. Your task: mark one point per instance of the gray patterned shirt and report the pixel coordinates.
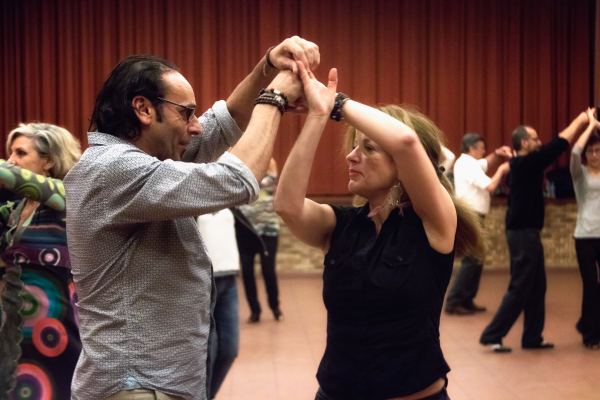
(142, 275)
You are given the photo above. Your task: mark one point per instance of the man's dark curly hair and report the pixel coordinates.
(138, 75)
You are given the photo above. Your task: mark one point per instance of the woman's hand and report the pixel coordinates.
(318, 97)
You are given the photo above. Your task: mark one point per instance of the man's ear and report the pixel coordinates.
(144, 109)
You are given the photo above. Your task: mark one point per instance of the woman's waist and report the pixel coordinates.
(367, 353)
(381, 374)
(433, 389)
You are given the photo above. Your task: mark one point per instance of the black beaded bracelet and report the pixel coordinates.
(336, 112)
(276, 92)
(272, 97)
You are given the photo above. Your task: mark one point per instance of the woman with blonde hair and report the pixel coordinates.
(389, 261)
(39, 339)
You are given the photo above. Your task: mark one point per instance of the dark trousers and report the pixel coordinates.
(466, 283)
(225, 346)
(267, 263)
(588, 257)
(526, 290)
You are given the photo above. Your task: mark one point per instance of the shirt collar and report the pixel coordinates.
(100, 139)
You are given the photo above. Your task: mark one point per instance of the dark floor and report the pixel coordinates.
(279, 360)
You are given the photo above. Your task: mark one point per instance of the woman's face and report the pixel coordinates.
(24, 154)
(592, 154)
(371, 171)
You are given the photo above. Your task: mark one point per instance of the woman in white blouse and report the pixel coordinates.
(585, 171)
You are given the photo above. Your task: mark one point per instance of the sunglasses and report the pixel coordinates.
(188, 111)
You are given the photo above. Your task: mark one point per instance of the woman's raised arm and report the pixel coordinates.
(311, 222)
(419, 177)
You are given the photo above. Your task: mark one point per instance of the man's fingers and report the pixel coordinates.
(293, 50)
(312, 55)
(287, 63)
(300, 50)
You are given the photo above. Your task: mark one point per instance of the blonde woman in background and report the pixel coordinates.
(38, 295)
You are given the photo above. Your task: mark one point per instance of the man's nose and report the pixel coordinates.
(194, 127)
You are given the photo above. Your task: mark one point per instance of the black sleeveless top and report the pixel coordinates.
(384, 297)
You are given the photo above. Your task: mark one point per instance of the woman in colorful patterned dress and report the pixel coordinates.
(37, 287)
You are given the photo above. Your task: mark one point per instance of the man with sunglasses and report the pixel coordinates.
(142, 275)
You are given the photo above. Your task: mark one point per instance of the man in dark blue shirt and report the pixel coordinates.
(524, 221)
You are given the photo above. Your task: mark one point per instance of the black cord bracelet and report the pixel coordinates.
(272, 97)
(274, 92)
(336, 112)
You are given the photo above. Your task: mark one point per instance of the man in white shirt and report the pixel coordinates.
(218, 233)
(473, 186)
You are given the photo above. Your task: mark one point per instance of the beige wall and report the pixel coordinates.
(557, 238)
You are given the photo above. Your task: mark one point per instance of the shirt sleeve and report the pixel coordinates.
(219, 132)
(24, 183)
(478, 178)
(577, 172)
(575, 165)
(547, 153)
(483, 163)
(343, 215)
(469, 171)
(140, 188)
